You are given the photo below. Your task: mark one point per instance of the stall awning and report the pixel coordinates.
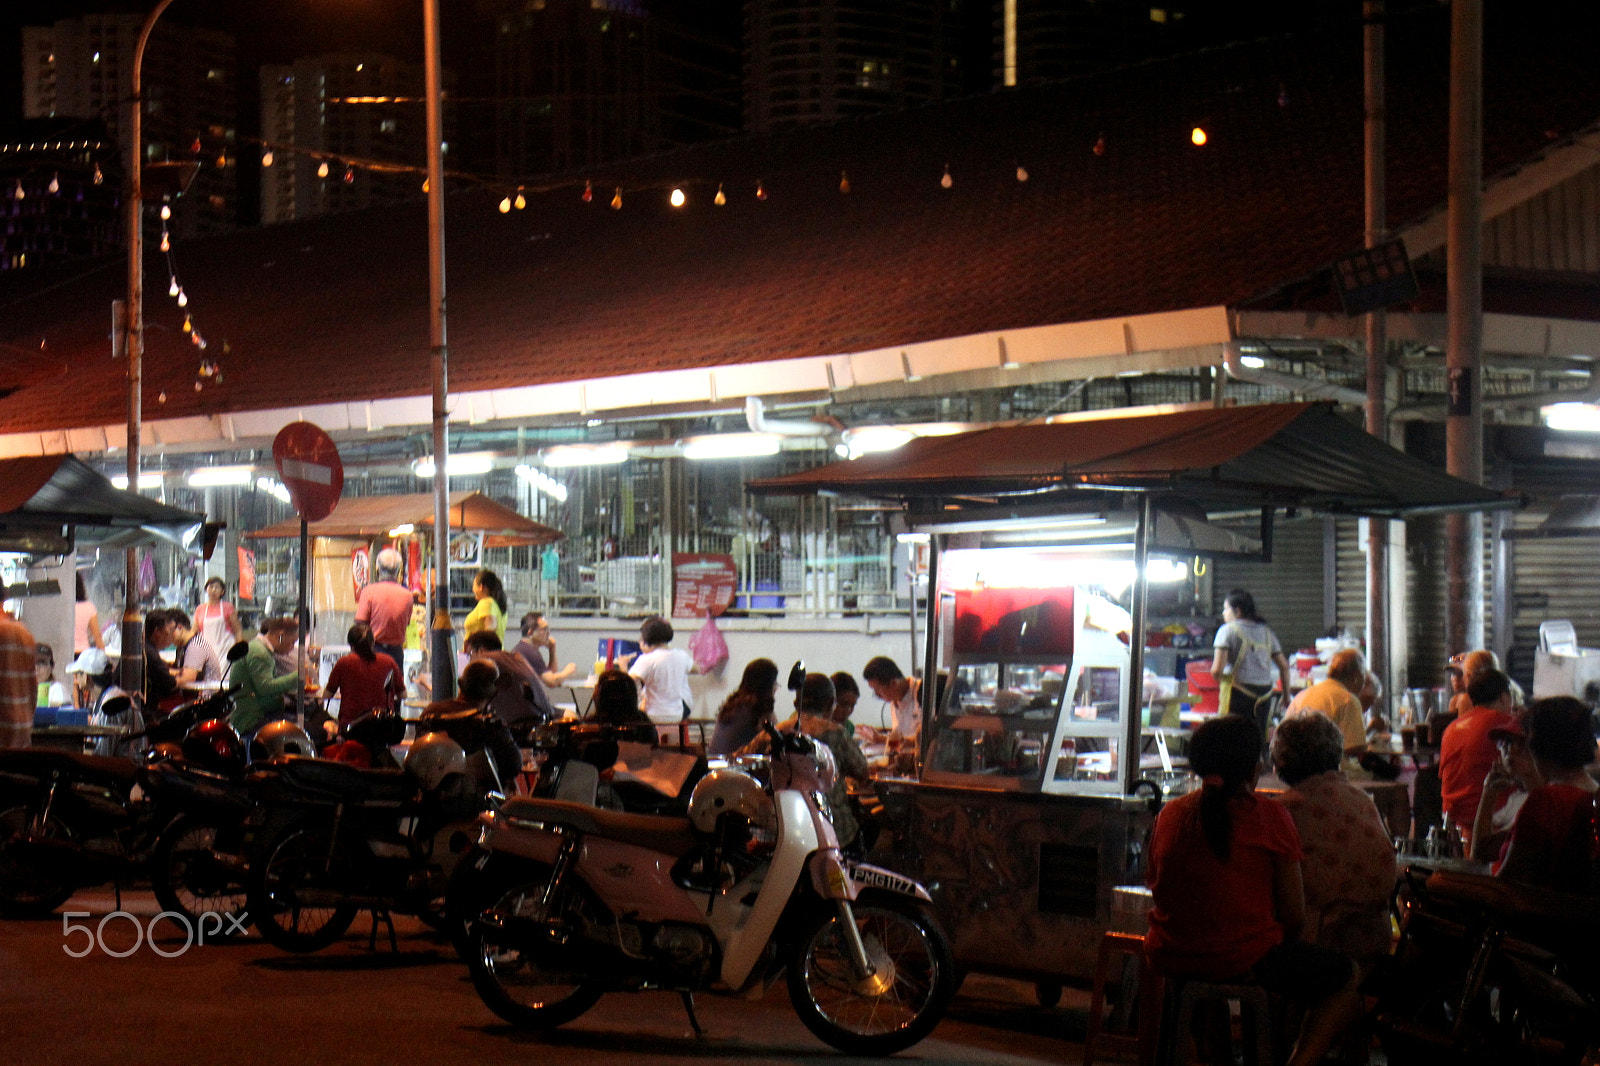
(52, 503)
(375, 516)
(1289, 455)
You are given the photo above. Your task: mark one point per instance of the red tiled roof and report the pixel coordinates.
(335, 309)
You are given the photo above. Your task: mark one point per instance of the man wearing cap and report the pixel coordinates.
(385, 605)
(1468, 751)
(18, 683)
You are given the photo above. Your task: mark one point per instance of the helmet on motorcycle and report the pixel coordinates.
(729, 790)
(377, 729)
(215, 745)
(434, 757)
(280, 738)
(165, 751)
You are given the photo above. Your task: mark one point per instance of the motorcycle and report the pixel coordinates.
(748, 886)
(1486, 972)
(330, 839)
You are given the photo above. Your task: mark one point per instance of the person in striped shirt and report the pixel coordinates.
(18, 683)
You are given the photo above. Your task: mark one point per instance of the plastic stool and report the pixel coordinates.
(1141, 1041)
(1177, 1017)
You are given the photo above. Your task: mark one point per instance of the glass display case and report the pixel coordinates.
(1034, 675)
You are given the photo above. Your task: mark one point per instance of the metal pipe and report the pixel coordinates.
(1134, 727)
(1373, 17)
(439, 362)
(1233, 361)
(1464, 323)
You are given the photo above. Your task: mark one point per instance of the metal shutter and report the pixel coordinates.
(1288, 590)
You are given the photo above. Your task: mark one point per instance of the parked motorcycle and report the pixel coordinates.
(749, 885)
(1489, 971)
(330, 839)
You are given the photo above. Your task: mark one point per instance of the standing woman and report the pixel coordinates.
(216, 620)
(85, 623)
(490, 613)
(1246, 653)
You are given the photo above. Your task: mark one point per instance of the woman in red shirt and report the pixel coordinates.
(364, 680)
(1553, 839)
(1225, 882)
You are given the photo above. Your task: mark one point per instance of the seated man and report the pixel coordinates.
(478, 688)
(259, 690)
(1468, 751)
(1338, 699)
(520, 698)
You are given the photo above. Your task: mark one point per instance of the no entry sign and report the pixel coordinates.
(310, 468)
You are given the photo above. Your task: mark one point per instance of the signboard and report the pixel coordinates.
(360, 572)
(1375, 278)
(309, 467)
(247, 574)
(702, 584)
(466, 548)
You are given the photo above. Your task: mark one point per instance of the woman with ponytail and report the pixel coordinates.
(1228, 904)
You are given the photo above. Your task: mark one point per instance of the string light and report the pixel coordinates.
(844, 183)
(521, 201)
(424, 184)
(194, 149)
(19, 194)
(588, 192)
(349, 175)
(947, 181)
(1283, 95)
(677, 198)
(322, 169)
(166, 212)
(721, 198)
(166, 242)
(761, 192)
(1100, 145)
(183, 298)
(55, 184)
(188, 326)
(1022, 172)
(266, 158)
(162, 396)
(1197, 136)
(616, 201)
(505, 206)
(172, 290)
(222, 161)
(99, 178)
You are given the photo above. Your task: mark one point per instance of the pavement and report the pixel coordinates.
(244, 1002)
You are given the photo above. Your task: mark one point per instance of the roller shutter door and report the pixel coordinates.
(1288, 590)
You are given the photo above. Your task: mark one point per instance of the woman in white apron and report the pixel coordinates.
(1248, 659)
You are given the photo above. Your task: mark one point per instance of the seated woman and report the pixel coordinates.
(1348, 865)
(746, 708)
(1224, 874)
(1550, 843)
(1505, 790)
(616, 703)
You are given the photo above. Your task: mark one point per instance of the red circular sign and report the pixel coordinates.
(310, 468)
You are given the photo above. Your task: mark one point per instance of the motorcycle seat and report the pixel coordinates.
(41, 762)
(346, 781)
(672, 834)
(1574, 913)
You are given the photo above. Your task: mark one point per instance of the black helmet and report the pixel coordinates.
(215, 745)
(377, 729)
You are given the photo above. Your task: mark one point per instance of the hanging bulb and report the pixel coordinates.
(183, 298)
(99, 178)
(194, 149)
(222, 161)
(200, 342)
(162, 396)
(1283, 95)
(266, 158)
(194, 339)
(588, 192)
(349, 175)
(720, 198)
(424, 184)
(947, 181)
(1197, 136)
(172, 290)
(166, 242)
(322, 169)
(677, 198)
(166, 212)
(520, 202)
(1100, 145)
(19, 194)
(197, 385)
(1022, 172)
(188, 326)
(55, 184)
(844, 183)
(505, 206)
(761, 192)
(616, 201)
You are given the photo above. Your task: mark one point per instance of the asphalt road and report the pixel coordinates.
(248, 1003)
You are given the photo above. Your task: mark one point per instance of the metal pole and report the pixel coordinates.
(303, 615)
(1377, 224)
(1464, 312)
(1134, 727)
(929, 696)
(132, 667)
(439, 360)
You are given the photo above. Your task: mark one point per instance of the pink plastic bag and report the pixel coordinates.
(708, 647)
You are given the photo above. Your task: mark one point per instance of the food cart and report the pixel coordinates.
(1035, 794)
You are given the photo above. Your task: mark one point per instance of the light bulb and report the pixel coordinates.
(1100, 145)
(720, 198)
(424, 184)
(188, 326)
(172, 290)
(588, 192)
(677, 198)
(183, 298)
(322, 169)
(616, 201)
(520, 202)
(1022, 172)
(166, 212)
(1198, 136)
(55, 184)
(844, 183)
(349, 175)
(266, 158)
(19, 194)
(761, 191)
(222, 161)
(166, 242)
(505, 206)
(947, 181)
(99, 178)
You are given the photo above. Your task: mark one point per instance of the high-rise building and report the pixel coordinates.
(329, 124)
(573, 83)
(816, 61)
(82, 68)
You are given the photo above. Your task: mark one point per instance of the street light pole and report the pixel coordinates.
(439, 360)
(132, 622)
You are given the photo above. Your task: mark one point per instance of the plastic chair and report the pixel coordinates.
(1142, 1040)
(1177, 1018)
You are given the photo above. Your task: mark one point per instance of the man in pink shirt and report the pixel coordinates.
(1468, 752)
(385, 605)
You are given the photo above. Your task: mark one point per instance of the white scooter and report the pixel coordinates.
(578, 901)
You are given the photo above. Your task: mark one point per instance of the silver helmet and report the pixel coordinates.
(434, 757)
(730, 790)
(280, 738)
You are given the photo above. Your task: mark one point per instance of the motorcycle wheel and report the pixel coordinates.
(905, 946)
(290, 868)
(187, 878)
(28, 888)
(529, 985)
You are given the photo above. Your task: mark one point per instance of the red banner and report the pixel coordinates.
(702, 584)
(247, 574)
(413, 564)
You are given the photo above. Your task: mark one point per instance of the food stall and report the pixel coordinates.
(1035, 792)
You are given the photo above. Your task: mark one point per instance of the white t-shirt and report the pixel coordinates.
(663, 676)
(906, 712)
(1251, 647)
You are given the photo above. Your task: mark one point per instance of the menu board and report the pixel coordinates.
(702, 584)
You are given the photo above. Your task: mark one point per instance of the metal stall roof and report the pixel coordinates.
(51, 503)
(375, 516)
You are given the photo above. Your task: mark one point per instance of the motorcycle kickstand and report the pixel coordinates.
(688, 1006)
(381, 914)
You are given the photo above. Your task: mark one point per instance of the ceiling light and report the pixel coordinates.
(219, 475)
(730, 446)
(869, 439)
(1572, 417)
(543, 482)
(585, 454)
(146, 481)
(273, 488)
(404, 529)
(461, 464)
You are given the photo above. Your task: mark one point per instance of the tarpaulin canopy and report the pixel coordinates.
(375, 516)
(52, 503)
(1287, 455)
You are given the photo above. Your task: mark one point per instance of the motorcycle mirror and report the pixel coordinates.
(116, 705)
(797, 676)
(239, 650)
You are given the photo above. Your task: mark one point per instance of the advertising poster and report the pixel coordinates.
(702, 584)
(247, 574)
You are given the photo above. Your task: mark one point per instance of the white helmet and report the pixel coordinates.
(730, 790)
(280, 738)
(434, 757)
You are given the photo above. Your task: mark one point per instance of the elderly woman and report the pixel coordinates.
(1348, 868)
